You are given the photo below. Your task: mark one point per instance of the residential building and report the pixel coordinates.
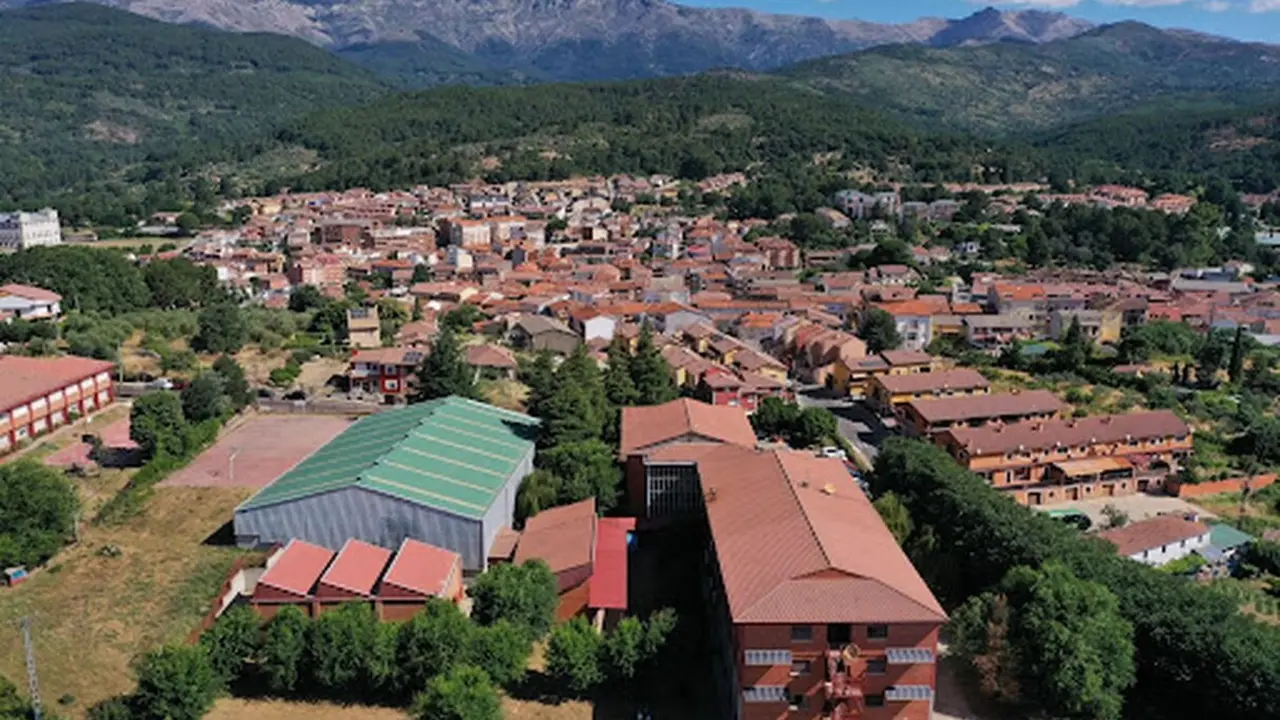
(913, 320)
(364, 330)
(444, 472)
(1098, 326)
(37, 395)
(851, 375)
(1045, 462)
(491, 361)
(816, 611)
(722, 386)
(387, 372)
(22, 230)
(996, 332)
(24, 302)
(1159, 540)
(929, 417)
(539, 332)
(466, 233)
(888, 393)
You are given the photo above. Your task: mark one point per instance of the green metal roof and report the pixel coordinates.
(451, 454)
(1224, 536)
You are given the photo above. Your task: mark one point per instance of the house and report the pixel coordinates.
(444, 472)
(814, 609)
(888, 393)
(892, 275)
(1098, 326)
(1051, 461)
(930, 416)
(538, 332)
(364, 330)
(1159, 540)
(913, 320)
(996, 332)
(492, 361)
(389, 372)
(722, 386)
(38, 395)
(657, 487)
(587, 554)
(25, 302)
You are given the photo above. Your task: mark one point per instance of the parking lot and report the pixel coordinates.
(1138, 506)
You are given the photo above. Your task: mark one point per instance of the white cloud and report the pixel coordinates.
(1146, 3)
(1216, 6)
(1056, 4)
(1262, 6)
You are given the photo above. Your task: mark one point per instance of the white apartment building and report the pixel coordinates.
(22, 230)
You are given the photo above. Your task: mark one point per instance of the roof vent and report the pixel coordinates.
(711, 494)
(828, 489)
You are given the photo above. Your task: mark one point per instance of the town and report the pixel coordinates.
(621, 447)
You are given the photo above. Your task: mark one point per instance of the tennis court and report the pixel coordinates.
(258, 451)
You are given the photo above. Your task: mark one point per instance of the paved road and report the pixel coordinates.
(857, 423)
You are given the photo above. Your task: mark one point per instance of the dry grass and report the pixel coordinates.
(513, 709)
(239, 709)
(93, 615)
(509, 394)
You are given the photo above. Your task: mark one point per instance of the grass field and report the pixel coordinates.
(93, 614)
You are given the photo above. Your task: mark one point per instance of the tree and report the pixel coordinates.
(232, 642)
(306, 297)
(525, 595)
(538, 491)
(463, 693)
(1235, 367)
(462, 318)
(38, 508)
(576, 408)
(895, 515)
(234, 383)
(623, 649)
(445, 371)
(618, 385)
(203, 398)
(157, 425)
(573, 656)
(586, 469)
(813, 426)
(284, 645)
(1115, 517)
(341, 648)
(650, 373)
(774, 417)
(421, 274)
(222, 329)
(1075, 349)
(1261, 439)
(1211, 357)
(175, 683)
(502, 650)
(879, 330)
(540, 376)
(434, 640)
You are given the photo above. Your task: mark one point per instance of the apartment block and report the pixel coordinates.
(38, 395)
(929, 417)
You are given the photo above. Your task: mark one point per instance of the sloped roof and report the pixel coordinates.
(650, 425)
(960, 378)
(28, 378)
(297, 568)
(564, 537)
(951, 409)
(1036, 434)
(1153, 533)
(421, 568)
(451, 454)
(608, 588)
(357, 567)
(797, 542)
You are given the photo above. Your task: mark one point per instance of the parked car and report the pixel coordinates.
(834, 452)
(160, 384)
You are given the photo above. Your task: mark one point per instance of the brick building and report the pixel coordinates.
(929, 417)
(39, 394)
(388, 372)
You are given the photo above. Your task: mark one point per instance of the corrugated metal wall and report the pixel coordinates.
(503, 510)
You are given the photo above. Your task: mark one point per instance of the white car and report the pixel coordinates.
(161, 384)
(834, 452)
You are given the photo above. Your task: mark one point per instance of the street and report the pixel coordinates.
(857, 423)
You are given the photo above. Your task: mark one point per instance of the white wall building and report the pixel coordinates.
(22, 230)
(1159, 540)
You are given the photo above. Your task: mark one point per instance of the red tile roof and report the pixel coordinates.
(297, 568)
(959, 379)
(357, 567)
(1036, 434)
(1153, 533)
(798, 542)
(421, 568)
(30, 292)
(28, 378)
(644, 427)
(608, 588)
(564, 537)
(954, 409)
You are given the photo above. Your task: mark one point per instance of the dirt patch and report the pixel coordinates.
(258, 451)
(238, 709)
(93, 614)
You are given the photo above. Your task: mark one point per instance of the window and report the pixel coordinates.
(801, 633)
(766, 657)
(764, 694)
(798, 702)
(877, 632)
(875, 700)
(877, 666)
(801, 667)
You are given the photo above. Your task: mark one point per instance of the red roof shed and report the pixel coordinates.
(353, 573)
(420, 571)
(293, 574)
(608, 587)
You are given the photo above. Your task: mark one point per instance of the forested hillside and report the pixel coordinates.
(86, 91)
(1019, 87)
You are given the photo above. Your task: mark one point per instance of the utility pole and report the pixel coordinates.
(33, 683)
(231, 465)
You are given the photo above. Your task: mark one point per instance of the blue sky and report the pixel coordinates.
(1245, 19)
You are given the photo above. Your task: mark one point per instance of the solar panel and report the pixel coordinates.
(909, 656)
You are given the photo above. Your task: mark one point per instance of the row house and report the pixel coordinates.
(1046, 462)
(722, 386)
(40, 394)
(888, 394)
(996, 332)
(930, 417)
(852, 376)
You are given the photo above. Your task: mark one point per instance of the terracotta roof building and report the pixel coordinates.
(889, 392)
(38, 395)
(932, 416)
(822, 611)
(1159, 540)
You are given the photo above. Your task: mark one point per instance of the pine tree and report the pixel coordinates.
(650, 372)
(445, 371)
(617, 376)
(540, 376)
(1236, 367)
(577, 407)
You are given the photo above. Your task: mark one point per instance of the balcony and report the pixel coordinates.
(841, 686)
(909, 656)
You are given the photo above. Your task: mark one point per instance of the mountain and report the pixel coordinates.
(496, 41)
(1019, 86)
(87, 90)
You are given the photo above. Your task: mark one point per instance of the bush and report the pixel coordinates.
(38, 509)
(341, 649)
(175, 683)
(233, 642)
(525, 595)
(284, 645)
(463, 693)
(573, 656)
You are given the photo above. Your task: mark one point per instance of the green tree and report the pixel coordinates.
(180, 283)
(576, 408)
(538, 491)
(38, 508)
(305, 298)
(462, 318)
(445, 371)
(813, 426)
(175, 683)
(157, 425)
(623, 649)
(12, 705)
(502, 650)
(284, 647)
(573, 656)
(222, 329)
(618, 385)
(463, 693)
(540, 376)
(233, 642)
(525, 595)
(234, 383)
(879, 330)
(586, 469)
(1211, 357)
(434, 640)
(1235, 366)
(203, 398)
(774, 417)
(895, 515)
(341, 648)
(650, 373)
